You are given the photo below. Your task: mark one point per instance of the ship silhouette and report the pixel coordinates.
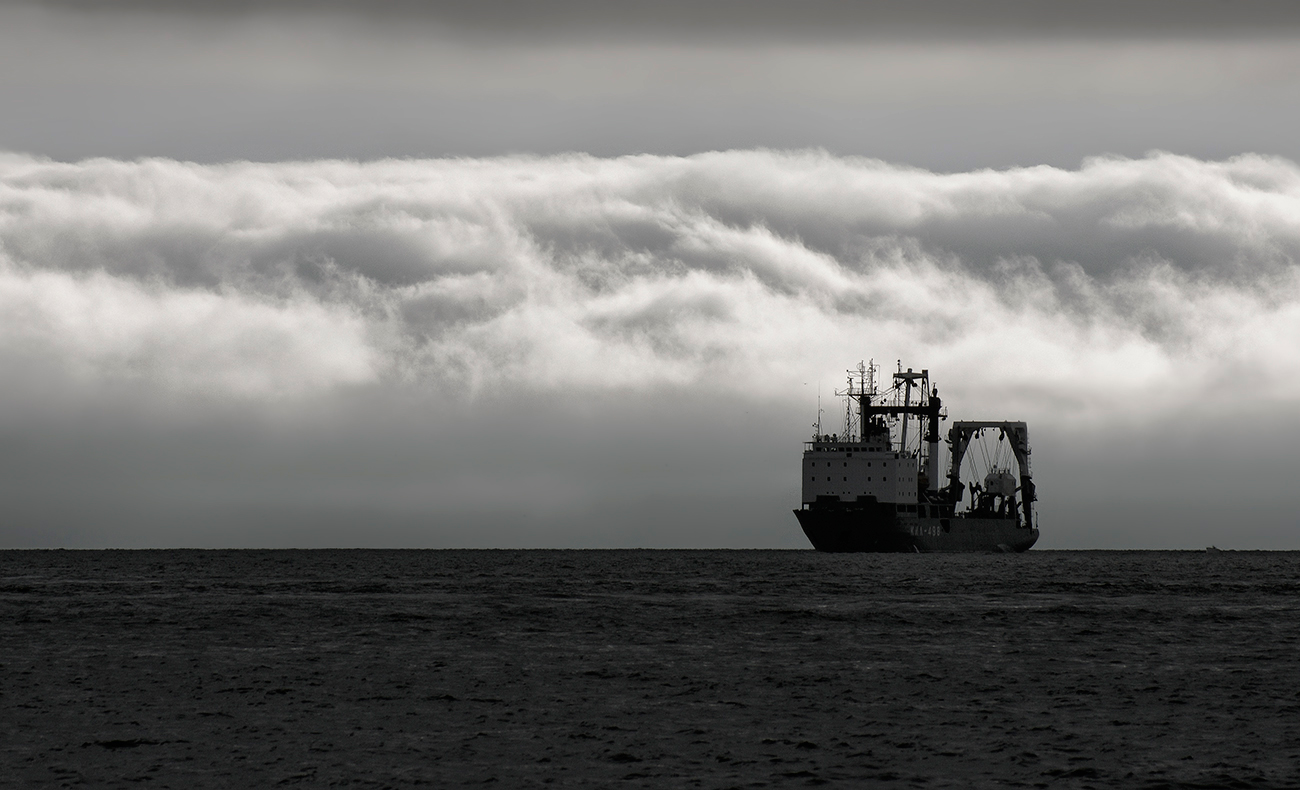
(867, 489)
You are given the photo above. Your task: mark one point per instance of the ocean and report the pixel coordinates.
(714, 669)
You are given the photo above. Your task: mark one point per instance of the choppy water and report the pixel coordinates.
(649, 668)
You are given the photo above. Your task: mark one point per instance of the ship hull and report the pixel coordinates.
(879, 528)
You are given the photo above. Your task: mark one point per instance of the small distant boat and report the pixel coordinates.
(1213, 550)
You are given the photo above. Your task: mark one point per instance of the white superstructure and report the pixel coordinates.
(866, 463)
(852, 470)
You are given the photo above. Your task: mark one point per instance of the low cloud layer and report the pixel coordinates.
(739, 272)
(1126, 295)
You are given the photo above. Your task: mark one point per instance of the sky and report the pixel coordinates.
(510, 275)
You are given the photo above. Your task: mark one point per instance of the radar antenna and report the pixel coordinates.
(818, 435)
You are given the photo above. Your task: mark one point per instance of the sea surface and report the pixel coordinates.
(715, 669)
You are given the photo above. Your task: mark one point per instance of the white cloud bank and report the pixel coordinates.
(577, 351)
(1164, 281)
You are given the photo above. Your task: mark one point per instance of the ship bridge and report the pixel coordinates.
(865, 463)
(851, 471)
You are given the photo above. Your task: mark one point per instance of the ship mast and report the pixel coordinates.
(908, 379)
(866, 373)
(848, 412)
(926, 410)
(818, 435)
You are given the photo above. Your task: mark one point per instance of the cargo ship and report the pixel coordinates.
(868, 489)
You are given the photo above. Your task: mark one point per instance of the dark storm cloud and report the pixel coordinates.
(772, 17)
(954, 86)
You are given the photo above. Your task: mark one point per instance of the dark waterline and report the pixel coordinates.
(649, 668)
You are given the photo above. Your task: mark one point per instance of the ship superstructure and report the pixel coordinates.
(873, 487)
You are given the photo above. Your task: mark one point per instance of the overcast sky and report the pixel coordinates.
(949, 85)
(479, 274)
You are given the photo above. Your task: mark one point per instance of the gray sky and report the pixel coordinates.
(948, 85)
(558, 320)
